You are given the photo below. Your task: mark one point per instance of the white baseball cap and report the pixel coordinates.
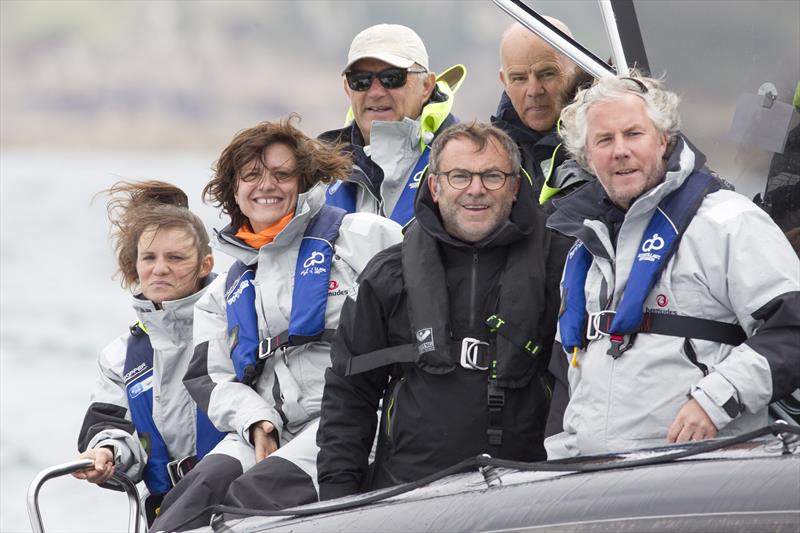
(394, 44)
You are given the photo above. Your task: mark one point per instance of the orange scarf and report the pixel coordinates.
(263, 237)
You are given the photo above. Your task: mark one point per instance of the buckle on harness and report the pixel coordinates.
(268, 347)
(469, 354)
(178, 468)
(620, 344)
(265, 349)
(596, 322)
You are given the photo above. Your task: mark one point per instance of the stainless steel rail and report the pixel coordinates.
(134, 516)
(569, 47)
(612, 31)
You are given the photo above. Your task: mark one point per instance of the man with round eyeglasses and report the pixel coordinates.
(397, 107)
(451, 329)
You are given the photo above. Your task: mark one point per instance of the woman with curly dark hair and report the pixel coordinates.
(263, 332)
(141, 419)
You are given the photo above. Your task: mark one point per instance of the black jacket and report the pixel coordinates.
(536, 148)
(432, 419)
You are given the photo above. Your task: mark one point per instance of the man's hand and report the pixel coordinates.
(692, 423)
(103, 467)
(264, 438)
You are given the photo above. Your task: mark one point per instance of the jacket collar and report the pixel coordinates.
(507, 119)
(172, 314)
(365, 172)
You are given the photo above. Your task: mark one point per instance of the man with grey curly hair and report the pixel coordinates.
(669, 331)
(660, 108)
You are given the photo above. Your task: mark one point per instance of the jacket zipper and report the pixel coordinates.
(473, 287)
(362, 180)
(391, 410)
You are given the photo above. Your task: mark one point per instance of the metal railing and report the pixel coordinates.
(134, 516)
(562, 42)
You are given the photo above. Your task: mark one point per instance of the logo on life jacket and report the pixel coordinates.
(134, 373)
(238, 292)
(661, 300)
(416, 179)
(141, 387)
(316, 258)
(424, 345)
(653, 243)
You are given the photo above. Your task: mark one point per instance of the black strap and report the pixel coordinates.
(268, 347)
(688, 349)
(514, 335)
(495, 399)
(685, 326)
(403, 353)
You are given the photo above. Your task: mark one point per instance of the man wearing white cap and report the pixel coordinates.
(397, 106)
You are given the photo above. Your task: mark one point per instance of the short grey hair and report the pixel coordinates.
(661, 106)
(479, 133)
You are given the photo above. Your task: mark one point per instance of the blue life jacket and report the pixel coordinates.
(659, 242)
(309, 299)
(343, 194)
(139, 381)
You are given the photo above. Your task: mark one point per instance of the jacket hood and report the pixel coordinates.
(522, 221)
(308, 204)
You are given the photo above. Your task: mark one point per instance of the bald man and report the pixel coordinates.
(535, 78)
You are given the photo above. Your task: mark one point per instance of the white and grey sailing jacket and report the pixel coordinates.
(108, 420)
(288, 392)
(733, 265)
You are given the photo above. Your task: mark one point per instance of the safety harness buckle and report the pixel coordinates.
(178, 468)
(267, 347)
(470, 354)
(620, 344)
(598, 324)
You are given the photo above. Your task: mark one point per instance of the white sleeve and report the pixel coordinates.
(211, 378)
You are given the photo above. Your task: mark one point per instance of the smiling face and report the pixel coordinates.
(167, 264)
(624, 149)
(473, 213)
(267, 187)
(379, 103)
(534, 76)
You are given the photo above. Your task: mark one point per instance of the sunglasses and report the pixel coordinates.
(391, 78)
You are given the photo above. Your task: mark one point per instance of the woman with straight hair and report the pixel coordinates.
(141, 420)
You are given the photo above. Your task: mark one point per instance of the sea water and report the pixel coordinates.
(58, 307)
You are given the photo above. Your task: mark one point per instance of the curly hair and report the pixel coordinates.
(316, 161)
(661, 106)
(136, 207)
